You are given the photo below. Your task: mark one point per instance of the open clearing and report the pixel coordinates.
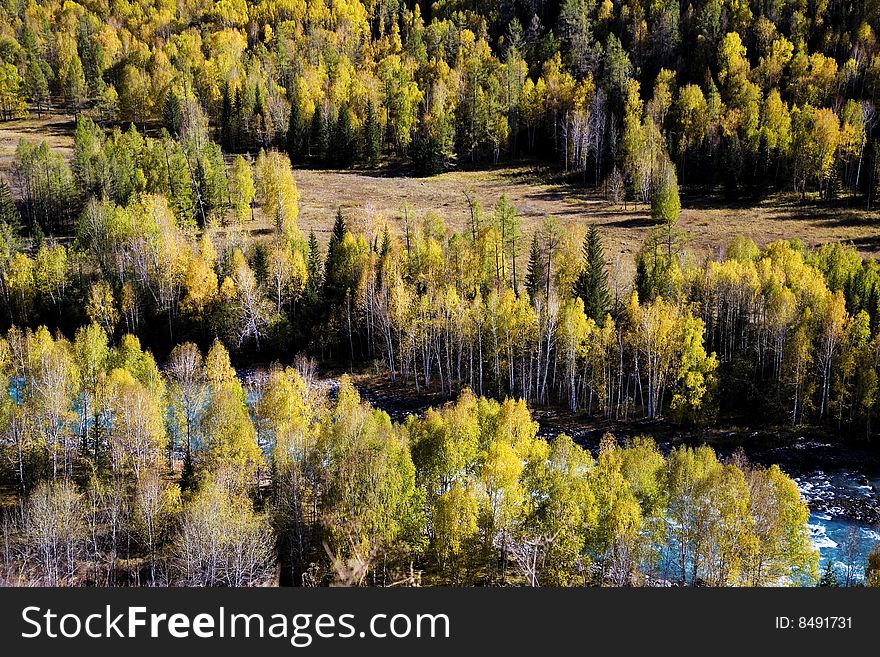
(57, 129)
(370, 199)
(709, 225)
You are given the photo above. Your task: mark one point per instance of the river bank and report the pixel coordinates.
(839, 478)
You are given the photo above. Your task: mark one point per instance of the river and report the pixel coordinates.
(843, 532)
(840, 482)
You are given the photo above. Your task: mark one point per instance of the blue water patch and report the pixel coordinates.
(845, 543)
(842, 534)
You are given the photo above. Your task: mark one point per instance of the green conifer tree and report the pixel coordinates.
(537, 270)
(332, 288)
(372, 136)
(172, 114)
(313, 286)
(344, 147)
(318, 137)
(829, 577)
(591, 284)
(294, 133)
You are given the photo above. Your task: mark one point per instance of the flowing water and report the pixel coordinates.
(840, 482)
(844, 533)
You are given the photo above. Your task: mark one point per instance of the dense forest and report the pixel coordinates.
(751, 95)
(135, 271)
(485, 308)
(466, 494)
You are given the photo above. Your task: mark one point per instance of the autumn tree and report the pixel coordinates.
(241, 189)
(12, 98)
(222, 541)
(231, 453)
(285, 412)
(370, 499)
(276, 191)
(188, 392)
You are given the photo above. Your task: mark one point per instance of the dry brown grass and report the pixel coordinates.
(370, 200)
(709, 226)
(57, 129)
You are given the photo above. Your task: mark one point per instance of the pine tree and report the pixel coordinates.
(592, 283)
(425, 151)
(313, 287)
(338, 228)
(36, 84)
(829, 577)
(10, 226)
(642, 281)
(172, 115)
(294, 132)
(344, 145)
(372, 136)
(237, 126)
(386, 242)
(318, 137)
(383, 250)
(537, 271)
(332, 289)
